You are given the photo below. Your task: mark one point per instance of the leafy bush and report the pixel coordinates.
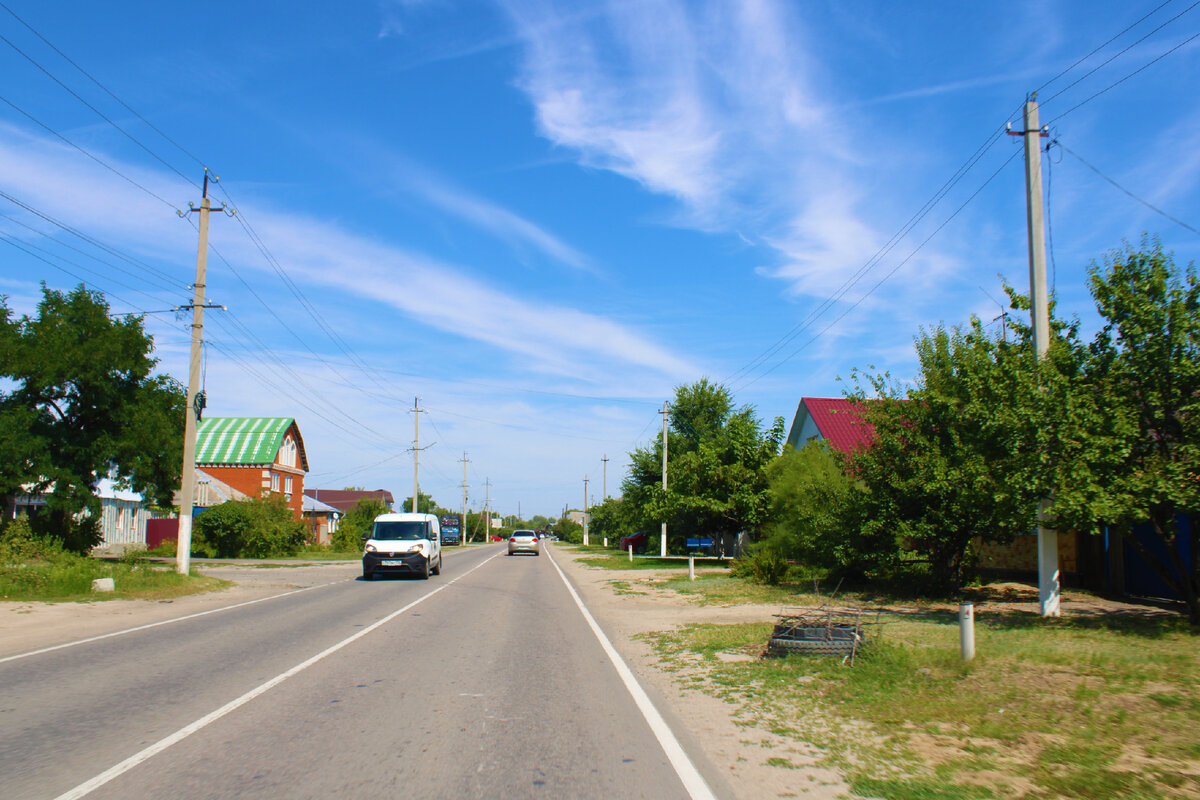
(767, 566)
(19, 543)
(257, 528)
(357, 523)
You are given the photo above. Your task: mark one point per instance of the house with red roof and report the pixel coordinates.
(346, 499)
(835, 420)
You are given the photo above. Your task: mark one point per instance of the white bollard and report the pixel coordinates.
(606, 541)
(104, 585)
(631, 554)
(691, 567)
(966, 625)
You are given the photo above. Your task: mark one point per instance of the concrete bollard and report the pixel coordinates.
(691, 567)
(966, 625)
(104, 585)
(631, 554)
(606, 541)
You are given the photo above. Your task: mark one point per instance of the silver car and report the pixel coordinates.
(524, 542)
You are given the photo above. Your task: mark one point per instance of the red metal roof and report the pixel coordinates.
(840, 422)
(345, 499)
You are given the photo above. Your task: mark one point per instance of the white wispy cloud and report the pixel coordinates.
(538, 336)
(715, 106)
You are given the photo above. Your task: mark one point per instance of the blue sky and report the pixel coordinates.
(541, 217)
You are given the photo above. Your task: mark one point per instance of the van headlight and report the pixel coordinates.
(419, 547)
(370, 548)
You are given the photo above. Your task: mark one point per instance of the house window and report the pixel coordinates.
(274, 481)
(287, 483)
(287, 452)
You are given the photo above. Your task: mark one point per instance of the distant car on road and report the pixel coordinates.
(524, 542)
(637, 540)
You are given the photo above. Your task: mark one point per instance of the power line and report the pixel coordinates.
(106, 90)
(87, 153)
(1116, 55)
(881, 281)
(98, 112)
(1146, 203)
(1126, 30)
(1127, 77)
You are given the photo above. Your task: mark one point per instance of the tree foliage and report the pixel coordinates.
(261, 527)
(716, 479)
(1129, 450)
(84, 405)
(950, 462)
(815, 512)
(357, 523)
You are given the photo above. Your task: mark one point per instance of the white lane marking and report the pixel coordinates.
(109, 774)
(164, 622)
(168, 621)
(692, 781)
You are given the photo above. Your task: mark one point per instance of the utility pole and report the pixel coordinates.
(1048, 575)
(463, 524)
(665, 413)
(604, 486)
(585, 511)
(417, 412)
(191, 415)
(487, 510)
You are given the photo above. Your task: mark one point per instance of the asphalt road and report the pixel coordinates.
(485, 682)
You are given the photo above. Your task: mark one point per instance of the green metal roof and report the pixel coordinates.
(244, 440)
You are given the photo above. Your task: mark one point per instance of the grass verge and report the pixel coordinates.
(1090, 707)
(68, 577)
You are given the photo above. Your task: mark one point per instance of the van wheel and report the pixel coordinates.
(438, 569)
(425, 572)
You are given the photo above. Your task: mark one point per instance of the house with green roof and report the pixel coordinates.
(254, 455)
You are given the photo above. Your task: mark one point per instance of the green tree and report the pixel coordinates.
(568, 530)
(83, 406)
(356, 523)
(1126, 449)
(425, 505)
(612, 519)
(717, 483)
(261, 527)
(815, 512)
(951, 461)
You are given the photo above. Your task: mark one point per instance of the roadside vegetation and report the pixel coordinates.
(1077, 707)
(34, 567)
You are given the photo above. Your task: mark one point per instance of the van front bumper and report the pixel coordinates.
(394, 562)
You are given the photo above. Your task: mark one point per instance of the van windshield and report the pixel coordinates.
(408, 529)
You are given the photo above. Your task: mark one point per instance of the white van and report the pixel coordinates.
(410, 543)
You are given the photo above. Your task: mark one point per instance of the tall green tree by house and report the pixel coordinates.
(84, 405)
(1129, 450)
(716, 474)
(951, 462)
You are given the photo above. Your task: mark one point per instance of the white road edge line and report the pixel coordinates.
(692, 781)
(109, 774)
(162, 622)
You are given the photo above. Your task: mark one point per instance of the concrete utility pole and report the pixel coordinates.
(463, 525)
(585, 511)
(487, 510)
(191, 416)
(665, 413)
(1048, 575)
(604, 486)
(417, 412)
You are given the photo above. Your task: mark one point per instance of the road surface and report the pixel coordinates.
(486, 682)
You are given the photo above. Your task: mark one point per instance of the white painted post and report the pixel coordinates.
(606, 541)
(966, 630)
(691, 567)
(630, 554)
